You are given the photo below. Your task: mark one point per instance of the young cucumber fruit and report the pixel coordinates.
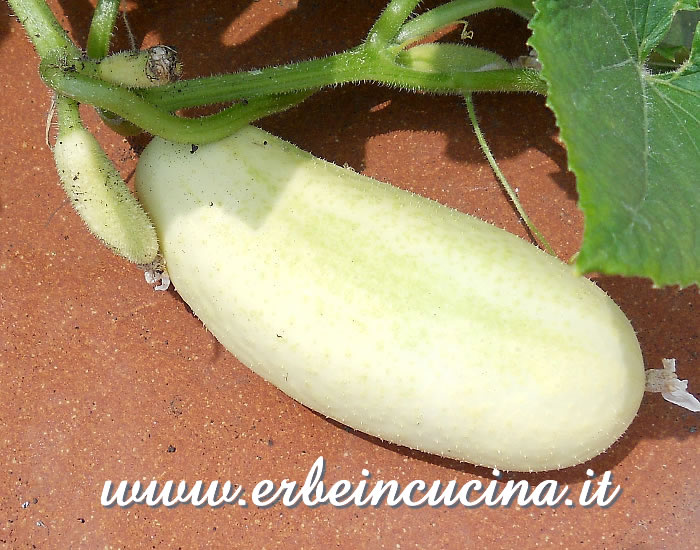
(388, 312)
(100, 196)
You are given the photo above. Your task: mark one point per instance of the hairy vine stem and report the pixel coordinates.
(502, 179)
(260, 92)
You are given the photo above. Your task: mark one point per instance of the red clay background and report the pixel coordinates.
(103, 378)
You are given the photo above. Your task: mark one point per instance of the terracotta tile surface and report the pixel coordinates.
(105, 379)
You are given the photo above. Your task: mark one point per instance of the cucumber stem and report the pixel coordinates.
(43, 30)
(432, 20)
(68, 116)
(356, 65)
(502, 179)
(101, 28)
(387, 26)
(133, 108)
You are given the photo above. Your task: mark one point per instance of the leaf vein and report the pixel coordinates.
(682, 125)
(624, 63)
(617, 28)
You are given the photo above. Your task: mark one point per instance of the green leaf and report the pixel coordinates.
(633, 137)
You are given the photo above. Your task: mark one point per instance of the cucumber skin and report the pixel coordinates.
(388, 312)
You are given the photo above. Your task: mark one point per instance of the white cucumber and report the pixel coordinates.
(388, 312)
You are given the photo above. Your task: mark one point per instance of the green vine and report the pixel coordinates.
(70, 73)
(101, 27)
(130, 104)
(501, 177)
